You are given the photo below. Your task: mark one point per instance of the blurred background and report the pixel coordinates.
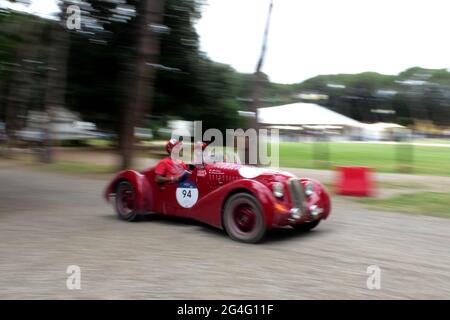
(94, 86)
(91, 86)
(109, 83)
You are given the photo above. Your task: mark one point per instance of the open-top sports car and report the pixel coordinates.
(246, 201)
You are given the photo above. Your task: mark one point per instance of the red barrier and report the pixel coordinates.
(354, 181)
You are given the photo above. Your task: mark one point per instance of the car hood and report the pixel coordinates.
(250, 172)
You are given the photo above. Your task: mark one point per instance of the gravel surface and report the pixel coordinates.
(49, 221)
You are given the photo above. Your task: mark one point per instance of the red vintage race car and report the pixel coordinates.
(246, 201)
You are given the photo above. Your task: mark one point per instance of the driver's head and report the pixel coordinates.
(172, 143)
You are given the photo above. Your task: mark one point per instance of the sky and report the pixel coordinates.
(312, 37)
(43, 8)
(308, 38)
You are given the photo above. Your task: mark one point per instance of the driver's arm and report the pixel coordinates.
(159, 178)
(160, 173)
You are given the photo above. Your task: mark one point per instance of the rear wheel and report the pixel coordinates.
(306, 226)
(243, 218)
(126, 201)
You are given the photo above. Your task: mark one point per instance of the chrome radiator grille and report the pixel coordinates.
(297, 194)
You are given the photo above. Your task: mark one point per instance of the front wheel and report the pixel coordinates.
(243, 218)
(306, 226)
(126, 201)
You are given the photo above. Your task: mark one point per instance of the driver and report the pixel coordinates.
(168, 169)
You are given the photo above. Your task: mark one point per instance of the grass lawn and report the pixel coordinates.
(382, 157)
(428, 203)
(77, 167)
(99, 143)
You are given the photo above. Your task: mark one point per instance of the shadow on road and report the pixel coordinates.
(273, 236)
(288, 234)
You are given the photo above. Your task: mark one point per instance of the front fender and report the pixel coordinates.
(140, 184)
(209, 208)
(321, 197)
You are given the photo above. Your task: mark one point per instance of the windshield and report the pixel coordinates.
(219, 154)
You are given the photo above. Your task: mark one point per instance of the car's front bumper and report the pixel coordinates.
(302, 207)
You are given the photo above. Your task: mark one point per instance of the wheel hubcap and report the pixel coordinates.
(244, 218)
(126, 200)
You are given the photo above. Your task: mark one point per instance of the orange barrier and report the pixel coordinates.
(354, 181)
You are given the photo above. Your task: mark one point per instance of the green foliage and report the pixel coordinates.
(190, 85)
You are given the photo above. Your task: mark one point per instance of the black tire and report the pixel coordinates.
(240, 207)
(126, 211)
(308, 226)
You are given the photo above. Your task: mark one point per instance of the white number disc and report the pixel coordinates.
(187, 194)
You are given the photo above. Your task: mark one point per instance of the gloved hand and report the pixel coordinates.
(186, 174)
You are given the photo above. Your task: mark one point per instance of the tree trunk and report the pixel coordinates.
(150, 13)
(19, 86)
(56, 82)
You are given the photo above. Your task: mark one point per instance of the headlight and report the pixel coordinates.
(309, 189)
(315, 210)
(278, 189)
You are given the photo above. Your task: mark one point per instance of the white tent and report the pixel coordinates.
(303, 114)
(381, 130)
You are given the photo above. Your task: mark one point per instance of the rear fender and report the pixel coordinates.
(140, 184)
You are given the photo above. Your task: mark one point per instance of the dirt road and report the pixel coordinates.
(49, 221)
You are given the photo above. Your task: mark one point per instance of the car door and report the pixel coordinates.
(180, 197)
